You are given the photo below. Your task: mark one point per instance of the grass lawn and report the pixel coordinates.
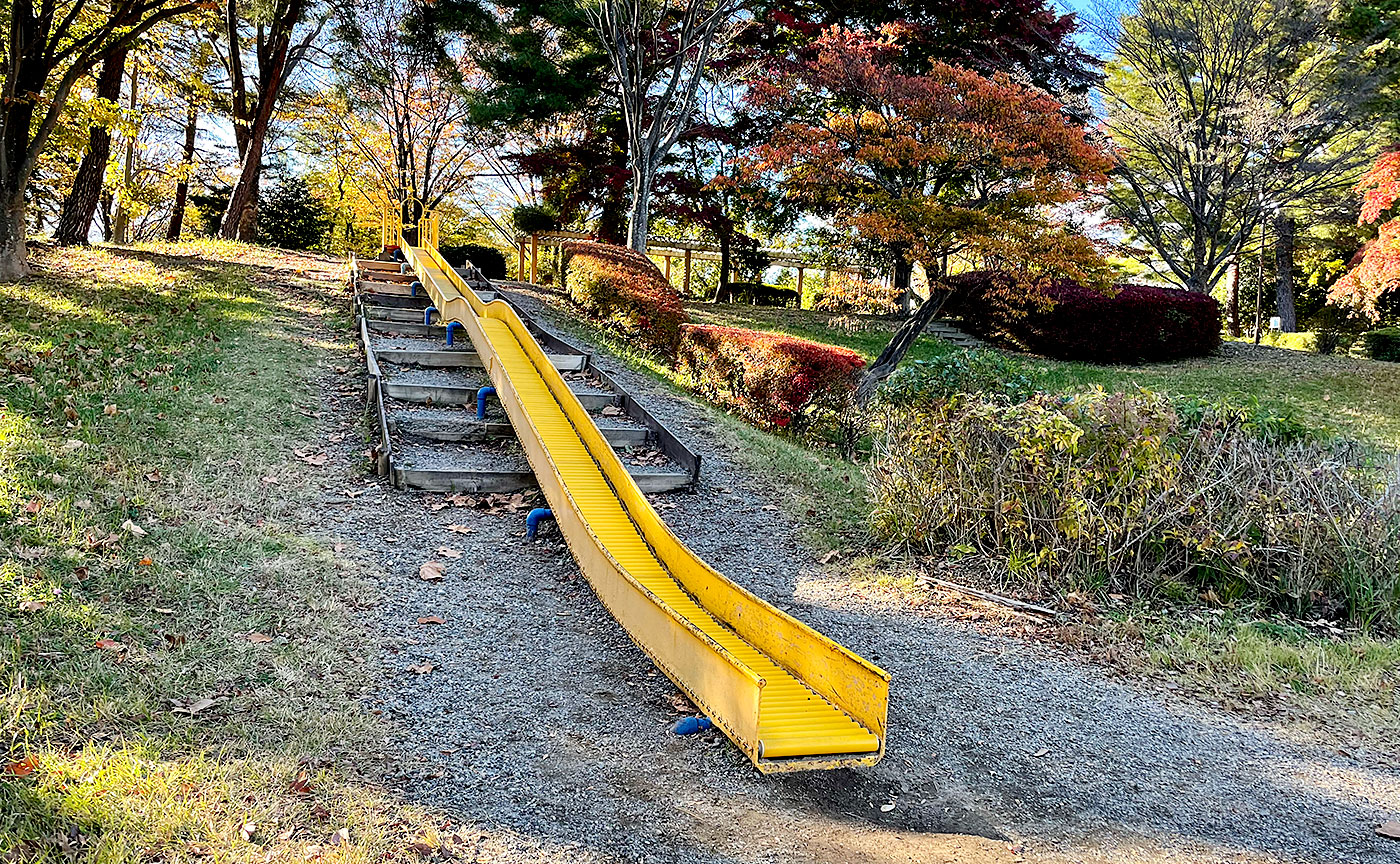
(1355, 397)
(180, 654)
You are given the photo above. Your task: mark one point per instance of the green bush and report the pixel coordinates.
(1383, 344)
(488, 259)
(1118, 492)
(974, 370)
(534, 219)
(292, 218)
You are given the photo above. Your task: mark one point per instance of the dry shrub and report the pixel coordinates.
(1125, 492)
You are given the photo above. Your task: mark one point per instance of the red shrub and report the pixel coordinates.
(1070, 321)
(767, 378)
(624, 289)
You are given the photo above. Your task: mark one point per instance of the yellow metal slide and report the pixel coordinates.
(789, 697)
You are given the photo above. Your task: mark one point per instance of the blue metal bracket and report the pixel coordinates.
(428, 315)
(532, 520)
(450, 325)
(481, 401)
(413, 288)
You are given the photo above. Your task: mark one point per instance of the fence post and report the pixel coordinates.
(534, 259)
(685, 282)
(520, 264)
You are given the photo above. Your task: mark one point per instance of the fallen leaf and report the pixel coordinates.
(269, 480)
(432, 571)
(422, 847)
(70, 413)
(461, 529)
(1043, 751)
(1389, 828)
(887, 807)
(146, 562)
(175, 640)
(449, 553)
(301, 785)
(422, 668)
(318, 460)
(154, 476)
(34, 506)
(432, 619)
(110, 410)
(25, 767)
(133, 529)
(611, 411)
(831, 556)
(72, 444)
(32, 606)
(161, 611)
(110, 645)
(192, 708)
(312, 852)
(259, 638)
(81, 573)
(248, 830)
(341, 837)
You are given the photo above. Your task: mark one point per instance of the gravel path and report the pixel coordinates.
(544, 730)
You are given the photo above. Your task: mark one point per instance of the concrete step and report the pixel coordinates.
(407, 315)
(404, 388)
(375, 300)
(459, 425)
(496, 467)
(455, 358)
(391, 288)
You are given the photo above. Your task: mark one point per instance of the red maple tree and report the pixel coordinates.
(929, 164)
(1377, 273)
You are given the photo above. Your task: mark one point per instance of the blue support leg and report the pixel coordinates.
(450, 325)
(428, 315)
(413, 288)
(481, 401)
(532, 521)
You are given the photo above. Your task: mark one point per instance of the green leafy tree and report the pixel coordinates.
(292, 218)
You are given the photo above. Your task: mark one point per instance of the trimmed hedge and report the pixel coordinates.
(770, 379)
(624, 289)
(1069, 321)
(1383, 344)
(488, 259)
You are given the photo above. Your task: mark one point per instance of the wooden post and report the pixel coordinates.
(520, 265)
(685, 282)
(667, 259)
(799, 286)
(534, 259)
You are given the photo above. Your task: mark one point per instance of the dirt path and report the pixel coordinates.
(544, 730)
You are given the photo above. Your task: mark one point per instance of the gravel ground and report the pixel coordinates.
(544, 730)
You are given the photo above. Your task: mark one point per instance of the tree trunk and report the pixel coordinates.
(899, 344)
(182, 187)
(122, 224)
(75, 219)
(240, 218)
(13, 257)
(1232, 298)
(1283, 265)
(903, 276)
(726, 261)
(638, 217)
